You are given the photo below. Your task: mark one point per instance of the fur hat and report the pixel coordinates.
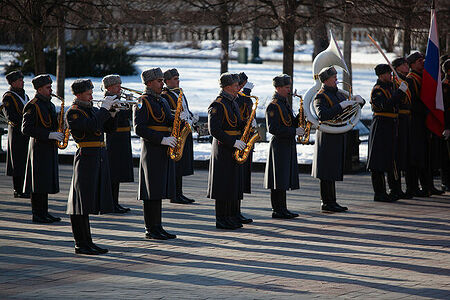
(13, 76)
(110, 80)
(171, 73)
(382, 69)
(398, 62)
(41, 80)
(412, 58)
(326, 73)
(227, 79)
(151, 74)
(281, 80)
(242, 78)
(81, 85)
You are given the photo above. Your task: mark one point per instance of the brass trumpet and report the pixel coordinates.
(348, 112)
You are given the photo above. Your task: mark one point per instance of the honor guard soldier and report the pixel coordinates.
(281, 172)
(403, 157)
(90, 189)
(419, 133)
(225, 174)
(329, 148)
(185, 166)
(446, 133)
(14, 101)
(41, 124)
(385, 102)
(118, 143)
(245, 104)
(152, 122)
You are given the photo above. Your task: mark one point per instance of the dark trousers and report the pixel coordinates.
(378, 183)
(18, 183)
(115, 186)
(328, 191)
(395, 185)
(278, 200)
(39, 204)
(81, 230)
(152, 213)
(179, 182)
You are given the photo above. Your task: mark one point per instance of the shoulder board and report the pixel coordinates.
(34, 100)
(218, 100)
(274, 101)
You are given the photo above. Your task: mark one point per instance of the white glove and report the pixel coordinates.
(59, 136)
(239, 145)
(403, 87)
(359, 99)
(254, 124)
(299, 131)
(169, 141)
(184, 115)
(446, 134)
(108, 102)
(347, 103)
(249, 85)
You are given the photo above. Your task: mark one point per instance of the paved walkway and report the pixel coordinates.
(374, 251)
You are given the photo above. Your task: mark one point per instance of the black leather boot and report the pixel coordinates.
(152, 218)
(221, 220)
(38, 208)
(80, 237)
(87, 232)
(379, 187)
(231, 213)
(45, 210)
(242, 219)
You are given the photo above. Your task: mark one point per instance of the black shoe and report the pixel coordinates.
(98, 249)
(21, 195)
(119, 210)
(187, 199)
(294, 215)
(126, 209)
(165, 233)
(383, 198)
(421, 193)
(408, 195)
(41, 219)
(54, 219)
(394, 195)
(331, 207)
(85, 249)
(281, 215)
(222, 223)
(435, 191)
(345, 208)
(234, 221)
(244, 220)
(154, 233)
(179, 200)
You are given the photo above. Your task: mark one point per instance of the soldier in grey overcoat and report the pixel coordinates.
(281, 172)
(118, 143)
(40, 123)
(14, 101)
(90, 189)
(153, 122)
(329, 148)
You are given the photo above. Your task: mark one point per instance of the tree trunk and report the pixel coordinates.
(288, 50)
(348, 54)
(225, 44)
(319, 31)
(407, 31)
(37, 37)
(60, 57)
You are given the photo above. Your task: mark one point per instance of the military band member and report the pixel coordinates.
(90, 189)
(446, 133)
(329, 148)
(152, 122)
(385, 101)
(185, 166)
(225, 174)
(419, 133)
(14, 101)
(281, 172)
(118, 143)
(40, 123)
(245, 108)
(403, 157)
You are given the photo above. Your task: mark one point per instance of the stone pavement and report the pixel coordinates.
(374, 251)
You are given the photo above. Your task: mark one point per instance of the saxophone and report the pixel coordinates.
(241, 156)
(62, 126)
(302, 122)
(179, 133)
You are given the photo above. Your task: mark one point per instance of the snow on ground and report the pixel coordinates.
(199, 80)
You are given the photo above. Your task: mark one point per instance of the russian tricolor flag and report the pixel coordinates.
(431, 92)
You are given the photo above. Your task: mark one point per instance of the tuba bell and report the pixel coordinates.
(331, 56)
